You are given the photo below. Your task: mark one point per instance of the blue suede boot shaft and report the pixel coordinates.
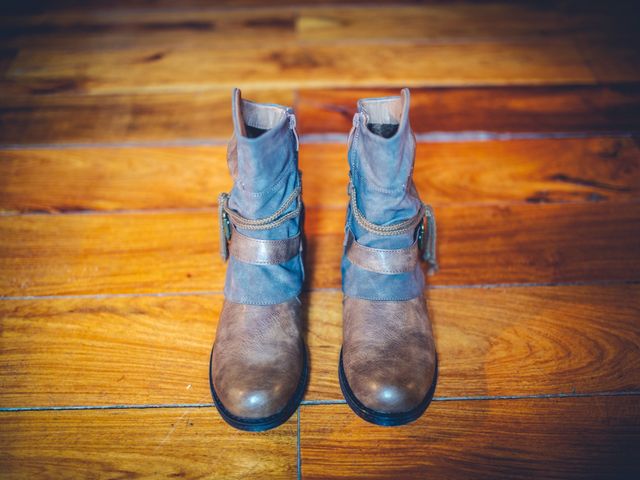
(381, 158)
(263, 161)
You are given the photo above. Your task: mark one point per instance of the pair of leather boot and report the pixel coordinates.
(259, 363)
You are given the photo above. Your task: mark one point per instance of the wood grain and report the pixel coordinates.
(80, 179)
(535, 171)
(507, 244)
(551, 170)
(481, 21)
(588, 108)
(177, 251)
(52, 113)
(113, 123)
(43, 118)
(550, 438)
(84, 254)
(120, 26)
(110, 351)
(155, 350)
(149, 70)
(149, 443)
(509, 341)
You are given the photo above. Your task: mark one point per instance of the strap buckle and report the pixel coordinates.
(421, 235)
(427, 234)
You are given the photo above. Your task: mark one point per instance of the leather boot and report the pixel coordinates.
(258, 368)
(388, 363)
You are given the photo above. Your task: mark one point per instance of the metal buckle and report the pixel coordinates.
(421, 235)
(226, 225)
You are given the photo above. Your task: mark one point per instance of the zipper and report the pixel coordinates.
(356, 120)
(292, 126)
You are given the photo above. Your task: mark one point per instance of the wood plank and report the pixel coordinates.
(177, 251)
(42, 117)
(551, 438)
(84, 254)
(551, 170)
(148, 443)
(118, 27)
(116, 178)
(53, 351)
(51, 113)
(506, 109)
(147, 70)
(107, 351)
(481, 21)
(87, 29)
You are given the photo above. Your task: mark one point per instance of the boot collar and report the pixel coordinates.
(384, 111)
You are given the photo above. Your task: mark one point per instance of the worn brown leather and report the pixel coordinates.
(388, 352)
(263, 252)
(257, 357)
(380, 260)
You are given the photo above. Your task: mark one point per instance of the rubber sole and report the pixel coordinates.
(266, 423)
(381, 418)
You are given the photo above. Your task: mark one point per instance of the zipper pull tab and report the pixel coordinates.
(292, 126)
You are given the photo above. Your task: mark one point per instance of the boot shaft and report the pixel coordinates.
(264, 203)
(385, 211)
(381, 158)
(263, 160)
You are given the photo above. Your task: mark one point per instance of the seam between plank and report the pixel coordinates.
(312, 403)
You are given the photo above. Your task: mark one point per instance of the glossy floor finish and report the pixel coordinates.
(114, 118)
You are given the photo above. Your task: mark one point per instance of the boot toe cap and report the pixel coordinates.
(258, 362)
(258, 395)
(389, 397)
(254, 403)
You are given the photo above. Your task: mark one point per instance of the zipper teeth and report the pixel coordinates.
(352, 131)
(354, 139)
(352, 167)
(292, 127)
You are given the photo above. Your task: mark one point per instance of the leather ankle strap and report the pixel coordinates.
(263, 252)
(381, 260)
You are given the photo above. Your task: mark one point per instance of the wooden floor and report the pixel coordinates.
(113, 124)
